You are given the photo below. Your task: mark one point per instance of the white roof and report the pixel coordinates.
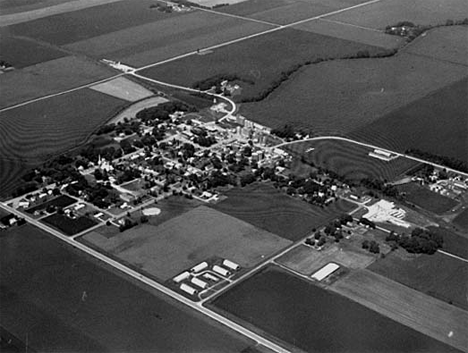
(325, 271)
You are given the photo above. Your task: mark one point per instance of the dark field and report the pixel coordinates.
(317, 320)
(260, 59)
(265, 207)
(17, 51)
(43, 282)
(91, 22)
(462, 219)
(48, 78)
(381, 101)
(350, 160)
(453, 243)
(67, 225)
(438, 275)
(437, 123)
(34, 132)
(61, 201)
(427, 199)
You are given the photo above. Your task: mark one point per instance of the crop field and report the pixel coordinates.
(89, 22)
(453, 243)
(50, 77)
(437, 123)
(427, 199)
(17, 51)
(462, 219)
(445, 43)
(327, 322)
(186, 240)
(166, 38)
(33, 132)
(350, 160)
(440, 276)
(343, 96)
(411, 308)
(123, 88)
(64, 301)
(13, 6)
(352, 33)
(265, 207)
(307, 260)
(67, 225)
(261, 60)
(383, 13)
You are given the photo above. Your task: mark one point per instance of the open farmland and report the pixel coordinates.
(427, 199)
(14, 6)
(64, 301)
(267, 208)
(316, 320)
(123, 88)
(440, 276)
(453, 243)
(31, 133)
(437, 123)
(416, 310)
(425, 12)
(349, 159)
(167, 38)
(186, 240)
(260, 59)
(462, 219)
(17, 51)
(50, 77)
(341, 96)
(445, 43)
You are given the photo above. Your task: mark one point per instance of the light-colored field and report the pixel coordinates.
(350, 32)
(445, 43)
(188, 239)
(51, 8)
(425, 314)
(167, 38)
(424, 12)
(132, 110)
(48, 78)
(216, 2)
(307, 260)
(123, 88)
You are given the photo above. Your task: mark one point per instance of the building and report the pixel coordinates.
(200, 267)
(231, 265)
(325, 271)
(199, 283)
(221, 270)
(187, 289)
(181, 277)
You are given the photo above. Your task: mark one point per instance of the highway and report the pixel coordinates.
(153, 284)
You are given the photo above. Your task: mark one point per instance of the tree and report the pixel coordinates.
(365, 244)
(374, 247)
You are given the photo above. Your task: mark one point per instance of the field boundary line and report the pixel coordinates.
(250, 36)
(87, 85)
(409, 52)
(452, 255)
(350, 25)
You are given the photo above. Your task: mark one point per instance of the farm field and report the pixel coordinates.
(437, 123)
(453, 243)
(43, 286)
(67, 225)
(307, 260)
(462, 219)
(350, 160)
(409, 307)
(259, 59)
(156, 41)
(427, 199)
(123, 88)
(14, 6)
(445, 43)
(17, 51)
(34, 132)
(424, 12)
(438, 275)
(351, 33)
(50, 77)
(265, 207)
(186, 240)
(133, 109)
(344, 96)
(327, 322)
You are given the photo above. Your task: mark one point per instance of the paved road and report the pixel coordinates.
(370, 146)
(196, 306)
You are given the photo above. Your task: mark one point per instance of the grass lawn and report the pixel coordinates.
(165, 250)
(265, 207)
(350, 160)
(438, 275)
(61, 201)
(462, 219)
(67, 225)
(427, 199)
